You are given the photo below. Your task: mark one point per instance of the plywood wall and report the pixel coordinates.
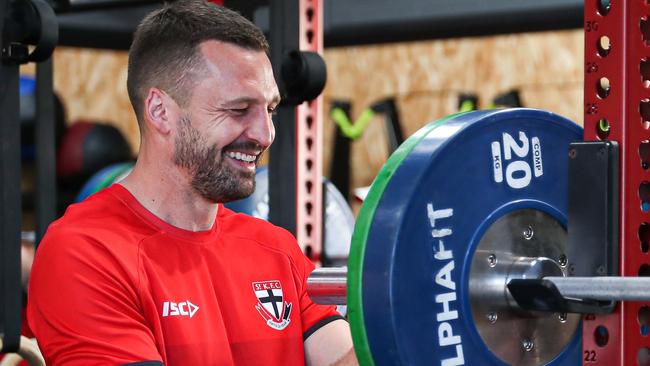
(92, 85)
(425, 78)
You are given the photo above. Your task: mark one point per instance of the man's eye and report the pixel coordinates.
(239, 110)
(272, 111)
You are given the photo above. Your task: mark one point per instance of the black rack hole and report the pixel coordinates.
(644, 110)
(644, 26)
(604, 46)
(644, 270)
(604, 6)
(644, 70)
(309, 207)
(644, 196)
(644, 236)
(644, 154)
(603, 87)
(643, 356)
(603, 128)
(643, 316)
(601, 336)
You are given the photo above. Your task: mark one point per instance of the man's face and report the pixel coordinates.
(227, 124)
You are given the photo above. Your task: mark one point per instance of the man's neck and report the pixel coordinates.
(170, 198)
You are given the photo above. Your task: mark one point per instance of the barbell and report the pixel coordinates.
(459, 255)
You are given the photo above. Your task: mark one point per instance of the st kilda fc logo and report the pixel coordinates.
(270, 305)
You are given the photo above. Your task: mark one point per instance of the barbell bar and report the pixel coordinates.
(328, 286)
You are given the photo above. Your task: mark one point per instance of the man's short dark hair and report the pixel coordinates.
(165, 54)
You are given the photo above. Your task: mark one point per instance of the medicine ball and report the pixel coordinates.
(88, 147)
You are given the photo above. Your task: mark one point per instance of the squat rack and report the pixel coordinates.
(616, 97)
(624, 108)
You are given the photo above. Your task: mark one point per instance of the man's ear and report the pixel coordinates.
(159, 109)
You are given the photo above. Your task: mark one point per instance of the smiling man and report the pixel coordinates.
(155, 270)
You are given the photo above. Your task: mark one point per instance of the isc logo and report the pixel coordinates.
(185, 308)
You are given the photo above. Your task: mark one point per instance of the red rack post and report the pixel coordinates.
(617, 108)
(309, 205)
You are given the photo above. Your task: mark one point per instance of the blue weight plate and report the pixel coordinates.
(458, 179)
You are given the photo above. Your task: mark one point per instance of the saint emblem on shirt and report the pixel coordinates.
(270, 304)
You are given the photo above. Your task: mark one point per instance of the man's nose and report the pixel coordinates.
(261, 128)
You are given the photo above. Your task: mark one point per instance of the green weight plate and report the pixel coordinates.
(360, 235)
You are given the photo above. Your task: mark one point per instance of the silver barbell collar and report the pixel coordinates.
(328, 285)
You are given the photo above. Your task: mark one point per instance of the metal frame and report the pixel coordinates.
(379, 21)
(46, 193)
(352, 22)
(309, 121)
(621, 107)
(10, 210)
(295, 190)
(282, 156)
(12, 27)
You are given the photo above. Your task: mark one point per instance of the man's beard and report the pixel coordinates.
(211, 177)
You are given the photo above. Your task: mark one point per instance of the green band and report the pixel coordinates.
(352, 130)
(467, 106)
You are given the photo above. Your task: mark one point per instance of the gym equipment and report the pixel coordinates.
(30, 23)
(304, 74)
(339, 220)
(509, 99)
(104, 178)
(28, 117)
(346, 131)
(88, 147)
(468, 102)
(22, 23)
(463, 207)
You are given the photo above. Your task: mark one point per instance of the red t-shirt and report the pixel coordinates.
(114, 284)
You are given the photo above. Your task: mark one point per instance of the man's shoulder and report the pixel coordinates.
(236, 223)
(243, 226)
(102, 219)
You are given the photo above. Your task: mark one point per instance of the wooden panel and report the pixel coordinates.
(92, 85)
(426, 79)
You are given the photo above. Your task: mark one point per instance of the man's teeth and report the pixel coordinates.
(241, 156)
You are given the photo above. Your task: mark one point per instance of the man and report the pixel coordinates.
(155, 270)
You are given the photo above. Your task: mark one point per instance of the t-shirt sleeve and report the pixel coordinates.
(83, 303)
(313, 315)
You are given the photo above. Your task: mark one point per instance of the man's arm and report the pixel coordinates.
(83, 305)
(330, 345)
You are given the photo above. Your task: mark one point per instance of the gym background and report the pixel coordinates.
(426, 79)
